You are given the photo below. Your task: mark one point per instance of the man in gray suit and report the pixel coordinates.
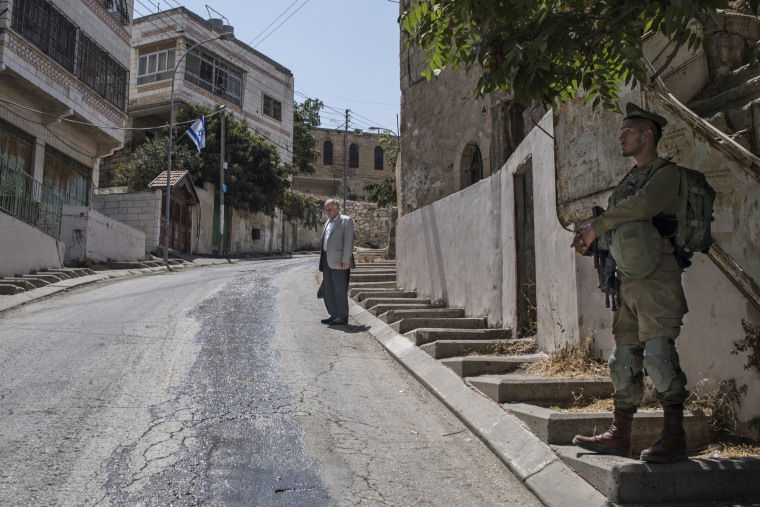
(335, 262)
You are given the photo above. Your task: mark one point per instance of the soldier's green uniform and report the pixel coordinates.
(652, 300)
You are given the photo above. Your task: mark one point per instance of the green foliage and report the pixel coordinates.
(305, 118)
(383, 193)
(550, 50)
(302, 208)
(256, 179)
(150, 160)
(389, 143)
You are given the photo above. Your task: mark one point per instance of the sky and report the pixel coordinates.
(343, 52)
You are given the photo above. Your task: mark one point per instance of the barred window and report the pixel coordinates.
(272, 108)
(215, 75)
(101, 72)
(327, 153)
(16, 146)
(119, 10)
(48, 28)
(155, 66)
(353, 156)
(379, 158)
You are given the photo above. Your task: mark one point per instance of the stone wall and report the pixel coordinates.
(371, 224)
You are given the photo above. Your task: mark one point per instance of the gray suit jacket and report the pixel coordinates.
(340, 245)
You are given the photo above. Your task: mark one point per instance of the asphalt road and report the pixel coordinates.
(219, 386)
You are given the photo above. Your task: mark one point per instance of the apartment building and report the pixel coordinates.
(64, 77)
(219, 72)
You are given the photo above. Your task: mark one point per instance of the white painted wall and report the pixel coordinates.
(141, 210)
(23, 248)
(89, 235)
(462, 249)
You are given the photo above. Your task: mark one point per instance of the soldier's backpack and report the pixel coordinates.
(690, 228)
(694, 212)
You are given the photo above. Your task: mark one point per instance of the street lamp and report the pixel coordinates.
(222, 36)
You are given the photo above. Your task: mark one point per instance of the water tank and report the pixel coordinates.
(216, 24)
(228, 29)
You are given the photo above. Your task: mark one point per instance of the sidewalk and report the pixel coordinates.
(528, 457)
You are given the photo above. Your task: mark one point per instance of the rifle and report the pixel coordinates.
(605, 268)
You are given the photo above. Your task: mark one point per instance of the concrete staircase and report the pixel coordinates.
(493, 362)
(11, 285)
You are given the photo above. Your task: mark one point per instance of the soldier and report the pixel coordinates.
(652, 307)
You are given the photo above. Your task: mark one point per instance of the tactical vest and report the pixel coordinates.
(636, 246)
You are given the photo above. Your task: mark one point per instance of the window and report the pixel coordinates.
(379, 158)
(67, 177)
(353, 156)
(272, 108)
(155, 66)
(327, 153)
(215, 75)
(118, 8)
(16, 146)
(48, 28)
(101, 72)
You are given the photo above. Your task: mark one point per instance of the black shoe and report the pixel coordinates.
(327, 320)
(338, 322)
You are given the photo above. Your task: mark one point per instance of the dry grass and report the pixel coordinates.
(571, 361)
(719, 404)
(724, 450)
(514, 348)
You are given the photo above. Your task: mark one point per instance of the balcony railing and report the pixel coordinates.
(29, 200)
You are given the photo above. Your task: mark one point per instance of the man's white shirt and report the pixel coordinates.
(328, 231)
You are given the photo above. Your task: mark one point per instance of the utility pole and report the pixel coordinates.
(345, 161)
(222, 189)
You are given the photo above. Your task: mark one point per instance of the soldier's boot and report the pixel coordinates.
(672, 443)
(616, 440)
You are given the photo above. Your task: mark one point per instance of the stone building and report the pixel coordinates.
(499, 246)
(367, 163)
(64, 100)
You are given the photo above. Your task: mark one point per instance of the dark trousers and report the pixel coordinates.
(335, 285)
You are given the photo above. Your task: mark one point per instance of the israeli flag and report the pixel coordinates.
(197, 133)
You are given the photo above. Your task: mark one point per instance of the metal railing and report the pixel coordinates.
(29, 200)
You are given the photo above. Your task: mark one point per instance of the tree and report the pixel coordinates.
(383, 193)
(305, 118)
(256, 178)
(548, 51)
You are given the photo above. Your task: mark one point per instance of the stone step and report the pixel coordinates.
(422, 336)
(7, 289)
(382, 308)
(25, 283)
(75, 272)
(512, 387)
(744, 94)
(450, 348)
(424, 313)
(361, 296)
(406, 325)
(727, 81)
(471, 366)
(693, 482)
(63, 274)
(371, 285)
(559, 427)
(47, 277)
(369, 303)
(390, 277)
(354, 291)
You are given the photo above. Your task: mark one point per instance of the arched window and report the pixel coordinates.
(327, 153)
(379, 158)
(471, 165)
(353, 156)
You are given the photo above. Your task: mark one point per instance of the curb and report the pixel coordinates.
(528, 457)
